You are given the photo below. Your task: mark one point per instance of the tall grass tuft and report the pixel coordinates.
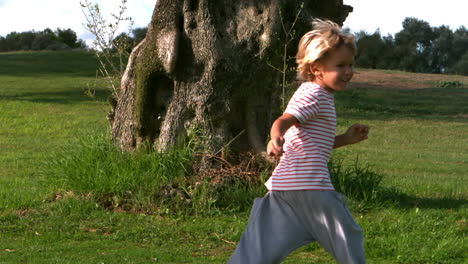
(169, 182)
(116, 179)
(149, 181)
(358, 182)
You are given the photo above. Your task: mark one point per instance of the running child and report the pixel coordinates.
(301, 205)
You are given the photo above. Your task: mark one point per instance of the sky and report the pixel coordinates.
(368, 15)
(388, 15)
(25, 15)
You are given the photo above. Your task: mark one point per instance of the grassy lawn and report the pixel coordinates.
(418, 141)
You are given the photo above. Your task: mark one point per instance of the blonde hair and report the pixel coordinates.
(317, 44)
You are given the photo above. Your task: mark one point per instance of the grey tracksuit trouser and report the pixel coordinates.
(283, 221)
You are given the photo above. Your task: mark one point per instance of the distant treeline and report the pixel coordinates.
(60, 39)
(418, 47)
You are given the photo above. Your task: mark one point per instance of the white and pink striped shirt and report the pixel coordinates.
(308, 144)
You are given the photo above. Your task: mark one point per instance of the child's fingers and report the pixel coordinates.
(364, 132)
(359, 132)
(273, 149)
(278, 150)
(363, 129)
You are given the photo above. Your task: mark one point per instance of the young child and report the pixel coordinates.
(302, 206)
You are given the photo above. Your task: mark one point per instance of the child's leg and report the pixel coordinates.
(329, 221)
(273, 231)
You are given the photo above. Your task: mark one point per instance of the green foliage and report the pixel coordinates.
(356, 182)
(461, 66)
(370, 51)
(449, 84)
(418, 47)
(69, 38)
(61, 39)
(115, 179)
(138, 34)
(146, 180)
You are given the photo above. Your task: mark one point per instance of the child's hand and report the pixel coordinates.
(275, 147)
(356, 133)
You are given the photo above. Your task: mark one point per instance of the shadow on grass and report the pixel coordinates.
(59, 97)
(383, 104)
(399, 199)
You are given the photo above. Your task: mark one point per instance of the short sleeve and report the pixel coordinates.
(304, 105)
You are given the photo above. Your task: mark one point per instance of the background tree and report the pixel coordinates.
(123, 40)
(417, 48)
(441, 56)
(128, 41)
(12, 41)
(460, 51)
(388, 59)
(69, 38)
(203, 66)
(371, 47)
(460, 41)
(2, 44)
(44, 39)
(25, 40)
(139, 34)
(41, 40)
(461, 66)
(413, 45)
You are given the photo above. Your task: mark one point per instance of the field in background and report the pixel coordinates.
(419, 124)
(404, 80)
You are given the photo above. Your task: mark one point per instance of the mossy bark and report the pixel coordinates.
(207, 64)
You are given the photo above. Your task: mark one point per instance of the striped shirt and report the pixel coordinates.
(308, 144)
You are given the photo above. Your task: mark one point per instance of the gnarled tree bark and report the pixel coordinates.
(203, 64)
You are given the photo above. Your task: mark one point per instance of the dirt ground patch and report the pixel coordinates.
(402, 80)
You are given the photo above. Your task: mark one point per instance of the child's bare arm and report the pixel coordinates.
(278, 129)
(355, 133)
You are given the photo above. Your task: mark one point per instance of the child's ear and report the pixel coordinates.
(315, 69)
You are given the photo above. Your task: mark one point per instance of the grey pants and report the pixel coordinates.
(283, 221)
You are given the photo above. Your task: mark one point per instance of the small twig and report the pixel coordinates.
(288, 39)
(227, 241)
(295, 20)
(269, 64)
(106, 45)
(216, 158)
(223, 160)
(229, 143)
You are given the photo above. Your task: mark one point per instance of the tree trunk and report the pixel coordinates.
(207, 65)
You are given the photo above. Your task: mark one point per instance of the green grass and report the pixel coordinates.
(418, 143)
(40, 112)
(46, 63)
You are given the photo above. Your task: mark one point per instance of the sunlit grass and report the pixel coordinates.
(417, 142)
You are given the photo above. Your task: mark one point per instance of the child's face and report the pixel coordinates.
(335, 71)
